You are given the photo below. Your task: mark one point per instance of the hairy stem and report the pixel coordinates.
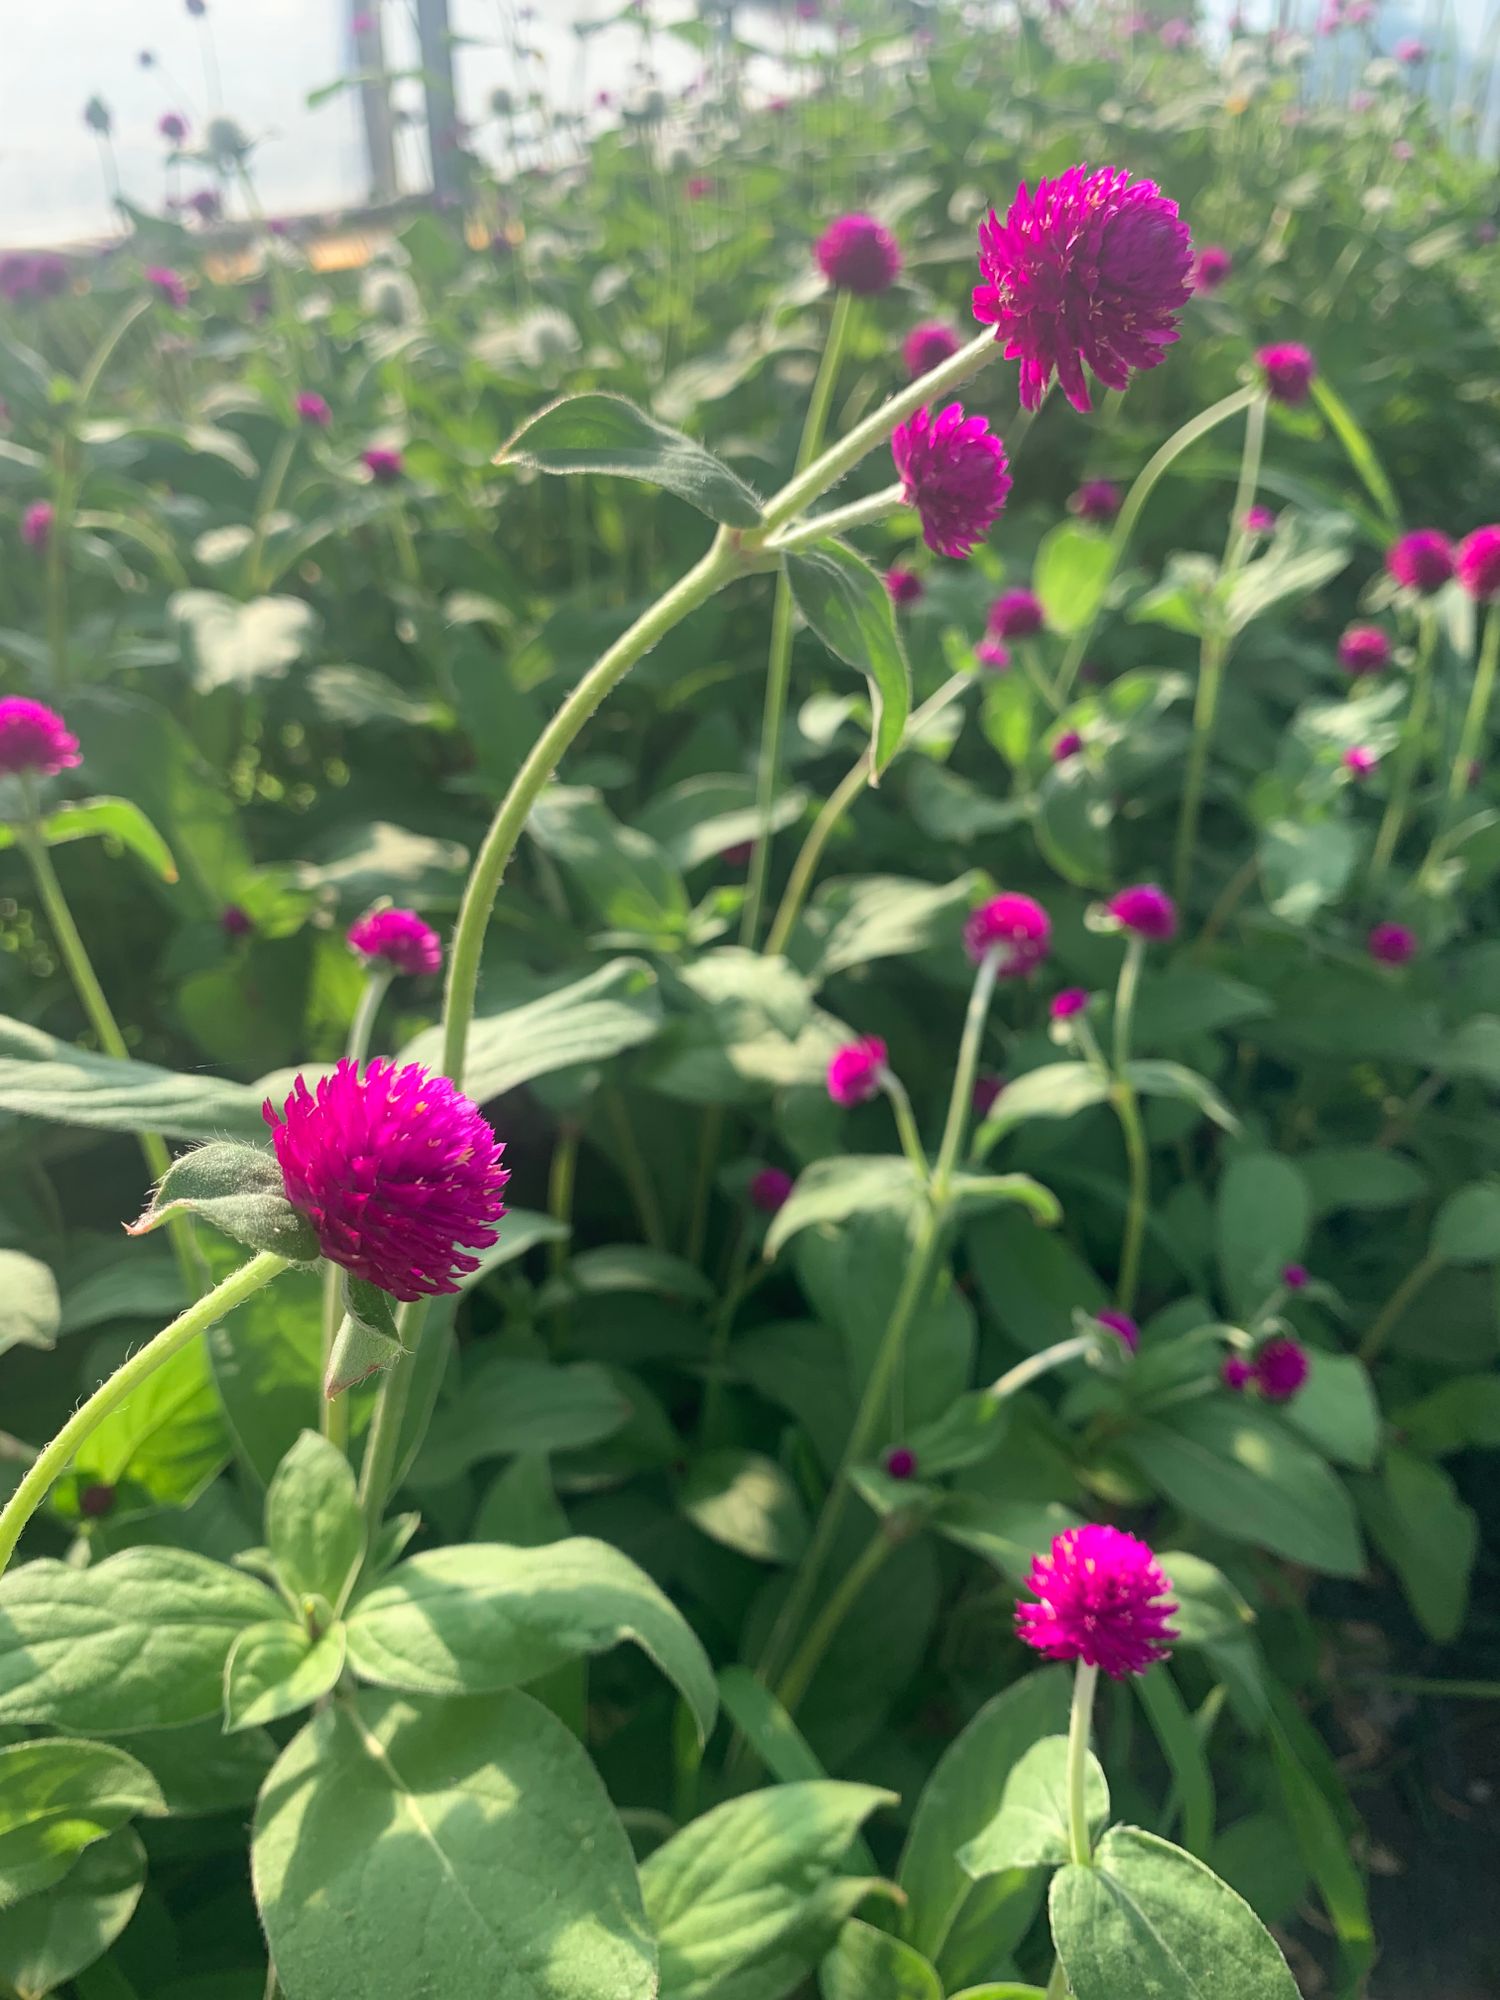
(960, 1100)
(1080, 1839)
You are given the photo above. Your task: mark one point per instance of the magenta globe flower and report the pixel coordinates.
(901, 1462)
(313, 409)
(1089, 271)
(1422, 560)
(1236, 1373)
(173, 127)
(955, 473)
(384, 464)
(1072, 1000)
(1067, 746)
(858, 254)
(396, 1170)
(235, 921)
(1015, 614)
(1147, 910)
(1211, 268)
(36, 524)
(1295, 1277)
(1095, 500)
(927, 345)
(992, 656)
(1259, 521)
(34, 739)
(1364, 649)
(699, 187)
(168, 285)
(399, 939)
(986, 1094)
(854, 1071)
(905, 586)
(1410, 51)
(1358, 761)
(769, 1189)
(1015, 928)
(1123, 1327)
(1288, 369)
(1478, 564)
(1104, 1599)
(1392, 944)
(206, 204)
(1281, 1367)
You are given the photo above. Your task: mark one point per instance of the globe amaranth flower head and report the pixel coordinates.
(1236, 1373)
(1410, 51)
(1095, 500)
(1280, 1368)
(167, 284)
(1288, 368)
(1072, 1000)
(1392, 944)
(173, 127)
(1103, 1598)
(1359, 761)
(1122, 1326)
(854, 1071)
(858, 254)
(769, 1189)
(901, 1462)
(929, 343)
(1422, 560)
(1145, 909)
(1478, 564)
(397, 1171)
(384, 464)
(1258, 521)
(34, 739)
(36, 524)
(1211, 268)
(986, 1094)
(1364, 649)
(905, 586)
(1296, 1277)
(992, 656)
(955, 473)
(1015, 614)
(1067, 746)
(399, 939)
(1015, 928)
(1090, 270)
(313, 409)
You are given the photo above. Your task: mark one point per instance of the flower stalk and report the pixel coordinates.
(1409, 752)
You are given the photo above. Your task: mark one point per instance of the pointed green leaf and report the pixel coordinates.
(315, 1529)
(238, 1190)
(51, 1937)
(57, 1797)
(1030, 1826)
(607, 434)
(848, 606)
(276, 1668)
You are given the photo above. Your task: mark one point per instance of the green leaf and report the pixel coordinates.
(1007, 1533)
(57, 1797)
(1071, 574)
(977, 1191)
(958, 1801)
(1074, 808)
(1305, 865)
(1030, 1826)
(1148, 1922)
(136, 1642)
(746, 1501)
(368, 1339)
(1359, 1177)
(744, 1899)
(108, 819)
(477, 1618)
(850, 609)
(1056, 1090)
(239, 1190)
(1336, 1410)
(315, 1530)
(507, 1404)
(51, 1937)
(1466, 1229)
(462, 1847)
(832, 1190)
(163, 1444)
(1325, 1846)
(629, 882)
(1261, 1223)
(276, 1668)
(1193, 1787)
(267, 1360)
(1361, 453)
(1427, 1534)
(1463, 1411)
(1209, 1608)
(615, 1008)
(607, 434)
(1237, 1468)
(1155, 1078)
(30, 1310)
(41, 1077)
(239, 646)
(867, 1964)
(1031, 1279)
(868, 917)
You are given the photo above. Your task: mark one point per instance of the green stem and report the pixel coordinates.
(800, 492)
(1145, 485)
(1014, 1380)
(906, 1125)
(1080, 1839)
(270, 494)
(637, 1175)
(335, 1409)
(795, 1681)
(53, 1460)
(1414, 1282)
(1409, 753)
(1477, 713)
(779, 661)
(838, 803)
(1031, 667)
(1128, 1109)
(377, 1470)
(960, 1100)
(406, 548)
(101, 1019)
(1125, 992)
(858, 514)
(709, 1135)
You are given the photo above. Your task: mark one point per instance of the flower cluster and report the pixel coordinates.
(1278, 1369)
(398, 939)
(1103, 1598)
(34, 739)
(854, 1071)
(397, 1171)
(1147, 910)
(1016, 929)
(1288, 370)
(955, 473)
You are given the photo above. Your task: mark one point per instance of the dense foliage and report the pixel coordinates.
(836, 1281)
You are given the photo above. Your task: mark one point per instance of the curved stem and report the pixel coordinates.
(960, 1101)
(837, 804)
(1014, 1380)
(53, 1460)
(1125, 992)
(1409, 753)
(1415, 1281)
(821, 1633)
(1080, 1838)
(858, 514)
(1145, 485)
(265, 507)
(906, 1125)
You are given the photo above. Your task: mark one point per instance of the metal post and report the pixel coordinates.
(374, 98)
(435, 44)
